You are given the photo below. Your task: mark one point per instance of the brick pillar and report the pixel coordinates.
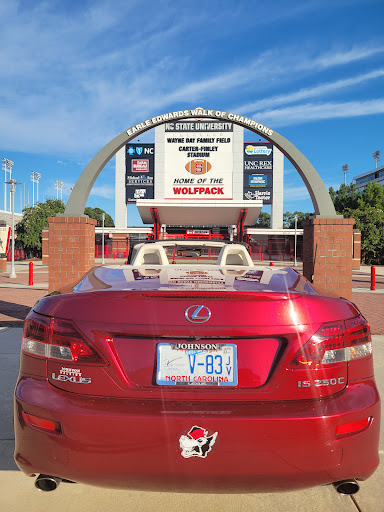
(71, 249)
(44, 247)
(327, 254)
(3, 264)
(356, 262)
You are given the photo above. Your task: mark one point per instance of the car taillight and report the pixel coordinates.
(334, 343)
(54, 338)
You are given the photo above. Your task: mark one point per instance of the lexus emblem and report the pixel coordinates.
(197, 314)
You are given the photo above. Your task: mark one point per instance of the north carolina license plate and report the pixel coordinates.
(196, 364)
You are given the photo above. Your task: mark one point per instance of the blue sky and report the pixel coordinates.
(75, 74)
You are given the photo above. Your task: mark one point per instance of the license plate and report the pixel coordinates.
(196, 364)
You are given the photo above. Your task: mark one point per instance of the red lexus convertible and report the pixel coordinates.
(209, 375)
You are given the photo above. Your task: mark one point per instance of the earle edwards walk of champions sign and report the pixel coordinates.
(198, 164)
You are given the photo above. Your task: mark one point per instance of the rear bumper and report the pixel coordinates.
(260, 447)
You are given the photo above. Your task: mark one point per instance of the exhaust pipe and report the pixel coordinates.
(47, 483)
(346, 486)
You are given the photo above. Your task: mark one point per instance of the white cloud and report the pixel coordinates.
(311, 92)
(320, 111)
(295, 193)
(106, 191)
(77, 76)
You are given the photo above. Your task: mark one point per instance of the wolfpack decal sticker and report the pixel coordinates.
(197, 443)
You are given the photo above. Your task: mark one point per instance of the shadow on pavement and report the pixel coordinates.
(16, 312)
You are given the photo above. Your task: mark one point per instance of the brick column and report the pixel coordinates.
(327, 254)
(71, 249)
(44, 247)
(356, 262)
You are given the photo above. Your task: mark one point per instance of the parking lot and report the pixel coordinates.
(17, 492)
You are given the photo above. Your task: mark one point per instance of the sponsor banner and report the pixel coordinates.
(258, 167)
(199, 161)
(140, 172)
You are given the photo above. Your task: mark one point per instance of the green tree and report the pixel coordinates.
(264, 220)
(347, 196)
(370, 221)
(289, 219)
(30, 227)
(96, 213)
(367, 208)
(373, 195)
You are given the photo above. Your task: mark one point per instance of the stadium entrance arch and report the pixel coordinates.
(320, 254)
(321, 200)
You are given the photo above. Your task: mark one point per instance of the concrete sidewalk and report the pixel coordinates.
(18, 494)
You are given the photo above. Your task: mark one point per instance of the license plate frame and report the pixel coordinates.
(183, 364)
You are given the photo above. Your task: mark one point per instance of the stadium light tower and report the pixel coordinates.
(345, 170)
(59, 186)
(7, 167)
(376, 157)
(35, 177)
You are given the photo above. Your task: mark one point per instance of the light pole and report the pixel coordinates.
(376, 157)
(38, 176)
(59, 186)
(7, 167)
(12, 188)
(296, 219)
(35, 177)
(102, 239)
(345, 170)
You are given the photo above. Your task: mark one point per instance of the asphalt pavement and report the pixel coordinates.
(18, 494)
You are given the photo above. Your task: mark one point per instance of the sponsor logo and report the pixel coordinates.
(257, 180)
(131, 150)
(140, 165)
(198, 166)
(257, 150)
(264, 195)
(197, 443)
(139, 150)
(197, 314)
(139, 193)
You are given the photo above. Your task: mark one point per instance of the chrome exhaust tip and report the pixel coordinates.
(347, 487)
(47, 483)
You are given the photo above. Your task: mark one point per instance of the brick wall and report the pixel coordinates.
(3, 264)
(356, 262)
(327, 254)
(71, 249)
(44, 247)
